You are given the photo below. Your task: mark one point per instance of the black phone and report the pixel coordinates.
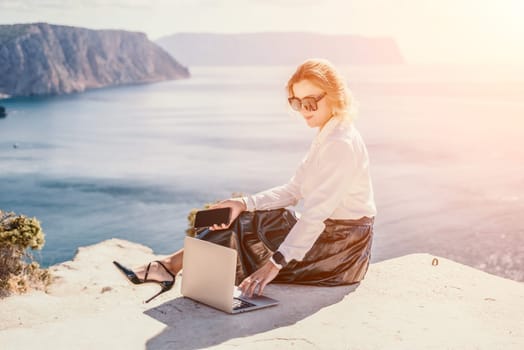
(209, 217)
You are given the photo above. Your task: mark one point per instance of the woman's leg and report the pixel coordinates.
(157, 272)
(174, 261)
(339, 256)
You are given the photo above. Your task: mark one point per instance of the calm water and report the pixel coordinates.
(131, 162)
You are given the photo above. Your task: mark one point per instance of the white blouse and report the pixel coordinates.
(334, 181)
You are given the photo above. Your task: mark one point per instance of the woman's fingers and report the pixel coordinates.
(224, 204)
(243, 286)
(218, 227)
(258, 280)
(261, 287)
(252, 285)
(247, 285)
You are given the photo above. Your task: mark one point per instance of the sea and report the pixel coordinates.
(131, 162)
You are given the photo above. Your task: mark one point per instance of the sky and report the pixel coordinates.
(426, 31)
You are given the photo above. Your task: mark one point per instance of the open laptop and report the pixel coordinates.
(209, 278)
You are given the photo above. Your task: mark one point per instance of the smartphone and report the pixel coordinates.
(209, 217)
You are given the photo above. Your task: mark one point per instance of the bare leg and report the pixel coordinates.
(174, 261)
(157, 272)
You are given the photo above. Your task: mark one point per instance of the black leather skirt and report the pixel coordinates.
(340, 255)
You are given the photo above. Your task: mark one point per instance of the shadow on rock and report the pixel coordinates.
(191, 325)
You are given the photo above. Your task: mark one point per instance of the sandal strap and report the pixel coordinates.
(165, 268)
(147, 271)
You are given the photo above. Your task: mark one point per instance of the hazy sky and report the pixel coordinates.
(427, 31)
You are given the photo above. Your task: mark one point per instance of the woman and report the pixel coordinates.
(330, 243)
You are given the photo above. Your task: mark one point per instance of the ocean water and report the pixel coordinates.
(131, 162)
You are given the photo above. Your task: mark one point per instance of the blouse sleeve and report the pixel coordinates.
(279, 196)
(331, 180)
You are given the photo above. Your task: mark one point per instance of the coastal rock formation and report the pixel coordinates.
(42, 59)
(207, 49)
(416, 301)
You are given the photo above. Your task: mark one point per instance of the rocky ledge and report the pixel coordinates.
(44, 59)
(410, 302)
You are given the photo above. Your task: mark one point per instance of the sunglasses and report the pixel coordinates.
(309, 102)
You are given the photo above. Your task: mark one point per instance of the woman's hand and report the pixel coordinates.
(237, 206)
(260, 278)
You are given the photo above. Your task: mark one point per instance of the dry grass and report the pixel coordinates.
(19, 273)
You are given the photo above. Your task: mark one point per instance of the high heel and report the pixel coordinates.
(166, 285)
(133, 278)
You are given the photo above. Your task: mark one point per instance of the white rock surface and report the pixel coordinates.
(404, 303)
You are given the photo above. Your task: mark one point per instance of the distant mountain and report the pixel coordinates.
(194, 49)
(41, 59)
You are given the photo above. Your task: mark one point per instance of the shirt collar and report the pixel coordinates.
(330, 125)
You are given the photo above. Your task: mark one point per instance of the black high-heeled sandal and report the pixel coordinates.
(133, 278)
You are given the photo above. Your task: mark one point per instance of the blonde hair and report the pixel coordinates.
(323, 74)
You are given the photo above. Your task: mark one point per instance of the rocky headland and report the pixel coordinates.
(45, 59)
(279, 48)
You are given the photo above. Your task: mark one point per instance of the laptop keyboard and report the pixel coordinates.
(240, 304)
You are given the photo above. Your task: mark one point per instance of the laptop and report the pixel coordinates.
(209, 278)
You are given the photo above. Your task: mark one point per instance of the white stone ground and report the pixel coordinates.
(403, 303)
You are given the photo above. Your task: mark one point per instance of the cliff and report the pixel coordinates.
(42, 59)
(403, 303)
(279, 48)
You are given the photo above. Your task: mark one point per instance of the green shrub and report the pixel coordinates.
(18, 272)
